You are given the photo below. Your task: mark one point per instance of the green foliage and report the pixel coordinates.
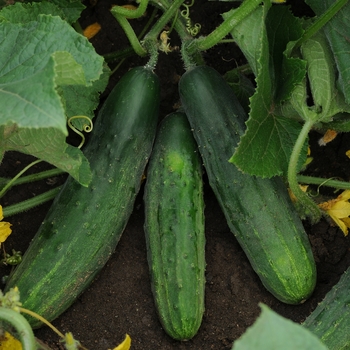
(45, 64)
(274, 332)
(282, 70)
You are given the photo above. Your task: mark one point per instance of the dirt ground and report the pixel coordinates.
(120, 300)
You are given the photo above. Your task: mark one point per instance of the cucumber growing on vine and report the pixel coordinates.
(258, 211)
(84, 224)
(174, 228)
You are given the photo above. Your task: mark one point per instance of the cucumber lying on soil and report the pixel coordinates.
(259, 211)
(330, 321)
(83, 225)
(174, 228)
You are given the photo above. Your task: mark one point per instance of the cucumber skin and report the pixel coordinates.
(174, 228)
(330, 320)
(258, 211)
(84, 224)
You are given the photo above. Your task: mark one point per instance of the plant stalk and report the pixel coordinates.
(33, 177)
(30, 203)
(201, 44)
(308, 206)
(312, 180)
(319, 23)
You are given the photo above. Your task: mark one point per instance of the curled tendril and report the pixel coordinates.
(86, 127)
(192, 29)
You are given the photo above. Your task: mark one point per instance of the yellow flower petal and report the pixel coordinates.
(344, 196)
(5, 231)
(347, 224)
(8, 342)
(1, 213)
(340, 209)
(125, 345)
(348, 153)
(91, 30)
(341, 224)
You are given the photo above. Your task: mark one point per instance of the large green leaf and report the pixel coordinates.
(39, 60)
(274, 332)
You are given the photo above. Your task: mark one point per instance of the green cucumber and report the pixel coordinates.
(258, 211)
(174, 228)
(331, 318)
(84, 224)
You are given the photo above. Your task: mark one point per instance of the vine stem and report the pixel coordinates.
(33, 177)
(319, 23)
(312, 180)
(42, 319)
(308, 206)
(201, 44)
(129, 32)
(25, 332)
(11, 182)
(30, 203)
(164, 19)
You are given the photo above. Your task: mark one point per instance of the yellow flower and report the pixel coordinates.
(5, 230)
(339, 210)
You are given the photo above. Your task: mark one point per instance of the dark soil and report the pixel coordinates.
(120, 299)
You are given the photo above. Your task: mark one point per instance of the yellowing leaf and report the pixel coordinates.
(8, 342)
(339, 210)
(5, 229)
(125, 345)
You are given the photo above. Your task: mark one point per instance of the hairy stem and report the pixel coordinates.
(11, 182)
(30, 203)
(309, 207)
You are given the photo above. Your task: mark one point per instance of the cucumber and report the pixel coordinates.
(84, 224)
(174, 228)
(330, 320)
(258, 211)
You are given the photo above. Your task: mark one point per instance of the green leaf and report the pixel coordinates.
(31, 100)
(68, 10)
(337, 32)
(274, 332)
(242, 87)
(282, 27)
(24, 13)
(321, 73)
(264, 150)
(68, 71)
(39, 58)
(49, 145)
(81, 100)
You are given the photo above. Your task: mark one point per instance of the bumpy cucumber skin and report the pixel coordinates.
(331, 318)
(83, 225)
(259, 211)
(174, 228)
